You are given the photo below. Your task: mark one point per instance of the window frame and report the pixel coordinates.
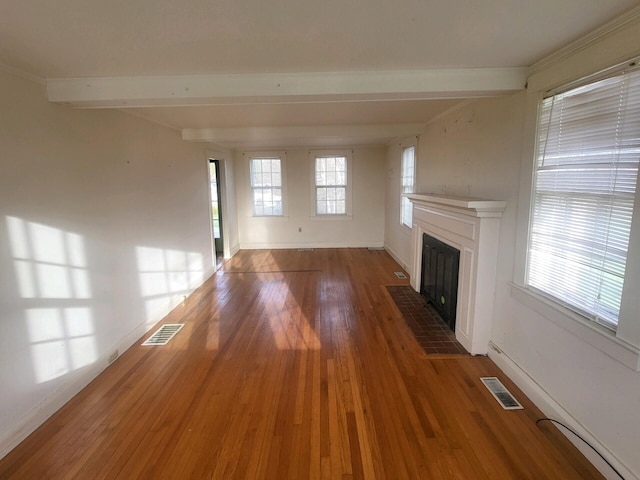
(404, 201)
(552, 167)
(281, 157)
(623, 345)
(313, 155)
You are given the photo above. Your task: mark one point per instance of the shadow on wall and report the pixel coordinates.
(56, 303)
(52, 277)
(166, 278)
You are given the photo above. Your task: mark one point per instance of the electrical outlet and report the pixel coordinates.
(113, 356)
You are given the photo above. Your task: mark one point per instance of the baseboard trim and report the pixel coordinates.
(281, 246)
(76, 381)
(551, 408)
(397, 258)
(234, 249)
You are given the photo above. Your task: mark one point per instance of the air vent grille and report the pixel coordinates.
(400, 275)
(164, 334)
(500, 393)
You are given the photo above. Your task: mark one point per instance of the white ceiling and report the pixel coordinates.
(241, 41)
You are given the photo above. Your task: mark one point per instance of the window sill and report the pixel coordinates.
(595, 335)
(277, 218)
(330, 218)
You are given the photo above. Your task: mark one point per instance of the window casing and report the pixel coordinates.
(583, 194)
(331, 179)
(266, 185)
(407, 180)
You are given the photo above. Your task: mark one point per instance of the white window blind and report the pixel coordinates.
(408, 184)
(584, 188)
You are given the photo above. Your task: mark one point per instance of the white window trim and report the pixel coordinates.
(404, 144)
(348, 154)
(283, 179)
(623, 344)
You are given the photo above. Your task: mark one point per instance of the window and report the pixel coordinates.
(583, 194)
(331, 185)
(408, 179)
(266, 183)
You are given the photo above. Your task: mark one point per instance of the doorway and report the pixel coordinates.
(216, 210)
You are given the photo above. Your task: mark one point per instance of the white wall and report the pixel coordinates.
(232, 238)
(473, 151)
(397, 237)
(364, 228)
(103, 228)
(485, 149)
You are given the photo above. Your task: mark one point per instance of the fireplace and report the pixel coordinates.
(440, 277)
(471, 226)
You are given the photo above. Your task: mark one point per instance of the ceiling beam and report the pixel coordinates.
(323, 134)
(185, 90)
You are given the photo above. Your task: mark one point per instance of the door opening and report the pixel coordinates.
(216, 210)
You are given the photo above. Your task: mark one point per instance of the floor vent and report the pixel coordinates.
(375, 248)
(305, 249)
(164, 334)
(400, 275)
(501, 394)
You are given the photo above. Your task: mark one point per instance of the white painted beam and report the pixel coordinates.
(183, 90)
(288, 135)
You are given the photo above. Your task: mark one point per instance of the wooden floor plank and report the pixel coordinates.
(294, 365)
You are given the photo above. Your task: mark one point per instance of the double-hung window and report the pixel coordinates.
(408, 180)
(266, 183)
(585, 178)
(331, 184)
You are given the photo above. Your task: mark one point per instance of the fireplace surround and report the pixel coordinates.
(472, 226)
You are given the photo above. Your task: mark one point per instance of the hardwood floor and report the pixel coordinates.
(294, 365)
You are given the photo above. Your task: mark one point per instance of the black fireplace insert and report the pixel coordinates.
(440, 264)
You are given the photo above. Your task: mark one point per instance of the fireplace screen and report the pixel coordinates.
(439, 284)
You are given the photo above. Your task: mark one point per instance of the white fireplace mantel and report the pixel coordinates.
(471, 225)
